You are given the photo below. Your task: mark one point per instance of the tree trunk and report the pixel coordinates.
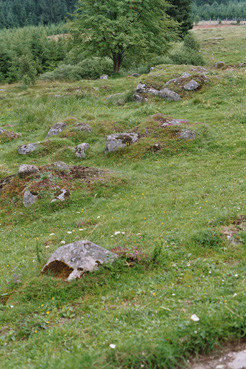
(117, 62)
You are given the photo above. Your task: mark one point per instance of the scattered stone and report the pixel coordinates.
(29, 199)
(118, 140)
(80, 150)
(104, 76)
(185, 75)
(83, 127)
(219, 38)
(56, 128)
(58, 96)
(242, 64)
(174, 122)
(151, 69)
(26, 149)
(25, 170)
(71, 261)
(141, 88)
(62, 195)
(134, 75)
(60, 165)
(156, 147)
(5, 181)
(8, 134)
(96, 88)
(169, 95)
(186, 134)
(199, 70)
(140, 98)
(191, 86)
(219, 64)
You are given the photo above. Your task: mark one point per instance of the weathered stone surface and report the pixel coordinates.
(185, 75)
(5, 181)
(58, 96)
(29, 199)
(60, 165)
(151, 69)
(83, 127)
(72, 260)
(56, 128)
(118, 140)
(169, 95)
(8, 134)
(187, 134)
(80, 150)
(174, 122)
(104, 76)
(219, 64)
(134, 75)
(26, 149)
(62, 195)
(25, 170)
(139, 98)
(199, 69)
(141, 88)
(191, 86)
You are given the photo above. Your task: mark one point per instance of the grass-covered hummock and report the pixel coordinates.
(171, 204)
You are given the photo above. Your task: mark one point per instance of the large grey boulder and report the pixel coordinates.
(29, 199)
(118, 140)
(83, 127)
(26, 149)
(60, 165)
(56, 128)
(187, 134)
(25, 170)
(71, 261)
(80, 150)
(169, 95)
(191, 86)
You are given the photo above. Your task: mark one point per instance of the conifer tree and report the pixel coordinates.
(180, 11)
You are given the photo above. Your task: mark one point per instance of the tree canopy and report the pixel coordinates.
(117, 28)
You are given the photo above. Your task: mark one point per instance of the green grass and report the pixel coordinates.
(171, 204)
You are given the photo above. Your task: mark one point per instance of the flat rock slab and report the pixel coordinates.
(56, 128)
(231, 360)
(119, 140)
(191, 86)
(26, 149)
(25, 170)
(169, 95)
(81, 149)
(29, 199)
(71, 261)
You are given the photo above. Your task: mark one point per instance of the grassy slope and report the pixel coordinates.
(160, 200)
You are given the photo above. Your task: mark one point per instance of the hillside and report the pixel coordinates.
(173, 207)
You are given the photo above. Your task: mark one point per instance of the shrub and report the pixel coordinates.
(188, 53)
(87, 69)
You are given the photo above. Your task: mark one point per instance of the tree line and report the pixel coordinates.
(20, 13)
(229, 9)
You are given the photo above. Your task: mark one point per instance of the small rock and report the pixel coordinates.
(219, 38)
(58, 96)
(26, 149)
(174, 122)
(219, 64)
(119, 140)
(141, 88)
(62, 195)
(60, 165)
(56, 128)
(192, 85)
(151, 69)
(134, 75)
(25, 170)
(80, 150)
(139, 98)
(156, 147)
(96, 88)
(83, 127)
(72, 260)
(187, 134)
(169, 95)
(104, 76)
(8, 134)
(185, 75)
(29, 199)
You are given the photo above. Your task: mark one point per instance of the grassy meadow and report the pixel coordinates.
(173, 205)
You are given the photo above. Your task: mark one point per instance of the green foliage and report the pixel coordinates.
(180, 11)
(91, 68)
(188, 52)
(208, 238)
(206, 10)
(120, 28)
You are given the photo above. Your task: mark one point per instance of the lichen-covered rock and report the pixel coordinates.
(219, 64)
(104, 76)
(185, 75)
(26, 149)
(29, 199)
(118, 140)
(187, 134)
(71, 261)
(8, 134)
(83, 127)
(191, 86)
(80, 150)
(25, 170)
(60, 165)
(139, 98)
(56, 128)
(169, 95)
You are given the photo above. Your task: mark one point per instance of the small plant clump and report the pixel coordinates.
(131, 254)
